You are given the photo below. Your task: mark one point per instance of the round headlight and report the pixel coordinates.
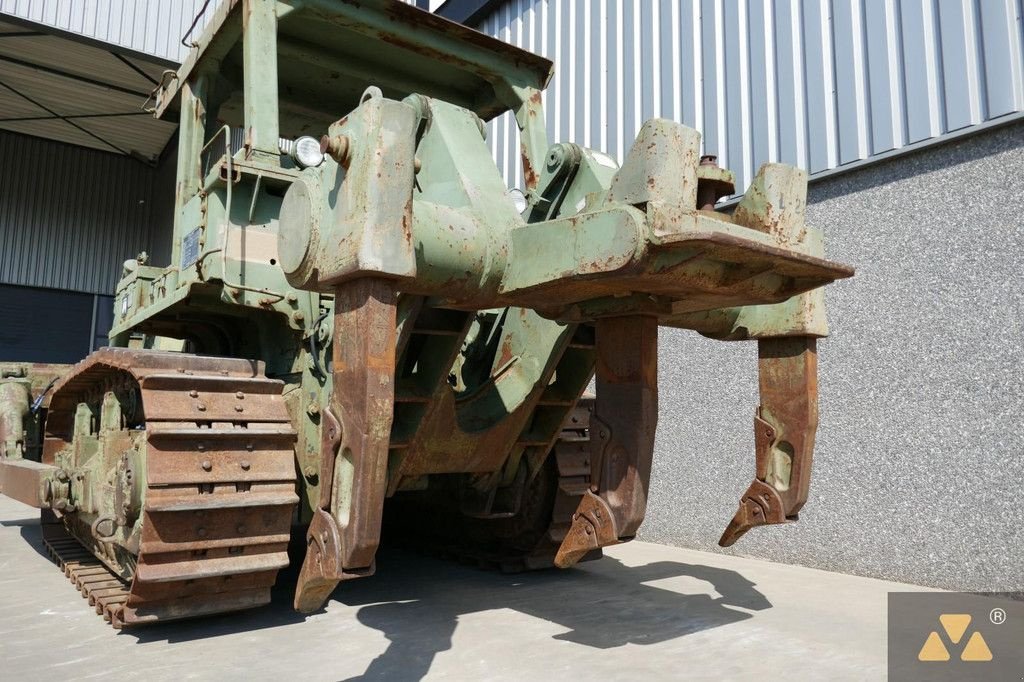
(306, 152)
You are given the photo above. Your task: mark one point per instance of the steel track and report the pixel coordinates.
(220, 488)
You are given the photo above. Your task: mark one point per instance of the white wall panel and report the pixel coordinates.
(153, 27)
(816, 83)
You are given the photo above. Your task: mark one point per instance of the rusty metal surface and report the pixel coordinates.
(213, 528)
(528, 540)
(713, 270)
(344, 534)
(103, 588)
(713, 182)
(412, 51)
(462, 328)
(784, 430)
(622, 437)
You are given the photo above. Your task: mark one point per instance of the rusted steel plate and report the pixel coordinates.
(206, 406)
(181, 500)
(621, 436)
(212, 568)
(153, 592)
(236, 527)
(784, 432)
(220, 461)
(202, 605)
(699, 275)
(345, 531)
(220, 496)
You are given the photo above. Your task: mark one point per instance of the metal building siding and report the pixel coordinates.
(70, 216)
(153, 27)
(815, 83)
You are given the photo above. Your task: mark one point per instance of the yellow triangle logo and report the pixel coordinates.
(955, 625)
(933, 649)
(976, 649)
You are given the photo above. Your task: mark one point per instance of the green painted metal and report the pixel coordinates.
(490, 313)
(259, 55)
(413, 195)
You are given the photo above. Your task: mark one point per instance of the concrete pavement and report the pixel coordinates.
(644, 612)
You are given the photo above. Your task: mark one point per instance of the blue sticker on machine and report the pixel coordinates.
(190, 249)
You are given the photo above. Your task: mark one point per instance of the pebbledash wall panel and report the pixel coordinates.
(70, 216)
(813, 83)
(920, 455)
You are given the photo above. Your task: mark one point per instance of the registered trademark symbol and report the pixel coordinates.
(997, 616)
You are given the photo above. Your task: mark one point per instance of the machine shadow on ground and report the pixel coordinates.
(416, 601)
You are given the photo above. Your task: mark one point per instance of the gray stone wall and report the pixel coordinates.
(919, 468)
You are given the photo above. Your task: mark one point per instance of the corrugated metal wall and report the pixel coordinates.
(70, 216)
(814, 83)
(152, 27)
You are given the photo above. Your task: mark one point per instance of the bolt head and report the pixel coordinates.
(193, 393)
(245, 465)
(206, 465)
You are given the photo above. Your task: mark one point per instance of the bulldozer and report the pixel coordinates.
(362, 326)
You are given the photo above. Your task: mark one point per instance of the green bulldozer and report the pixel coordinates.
(362, 327)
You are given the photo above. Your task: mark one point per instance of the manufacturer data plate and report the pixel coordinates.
(190, 249)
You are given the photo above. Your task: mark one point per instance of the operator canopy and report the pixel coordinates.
(329, 52)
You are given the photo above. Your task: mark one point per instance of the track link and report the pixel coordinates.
(220, 484)
(97, 583)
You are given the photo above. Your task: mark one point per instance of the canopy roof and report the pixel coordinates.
(64, 87)
(330, 51)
